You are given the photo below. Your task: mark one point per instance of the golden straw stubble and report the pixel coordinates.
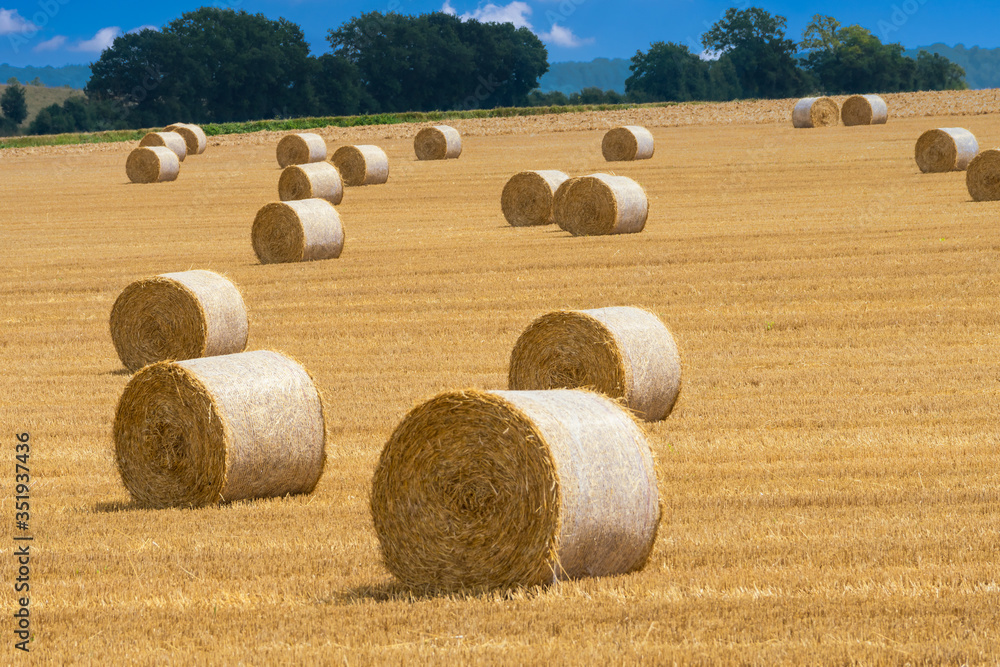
(193, 135)
(362, 165)
(528, 197)
(601, 204)
(624, 352)
(218, 429)
(297, 231)
(440, 142)
(945, 149)
(171, 140)
(315, 180)
(181, 315)
(481, 490)
(983, 176)
(631, 142)
(152, 164)
(815, 112)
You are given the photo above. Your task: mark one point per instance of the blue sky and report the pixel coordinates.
(59, 32)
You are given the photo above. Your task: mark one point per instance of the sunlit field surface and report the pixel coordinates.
(830, 478)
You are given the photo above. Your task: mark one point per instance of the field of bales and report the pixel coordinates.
(830, 477)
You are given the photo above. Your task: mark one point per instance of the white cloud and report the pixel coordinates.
(446, 8)
(561, 36)
(99, 41)
(53, 44)
(11, 22)
(517, 13)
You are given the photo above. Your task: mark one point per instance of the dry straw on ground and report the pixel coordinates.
(945, 149)
(301, 148)
(528, 197)
(815, 112)
(171, 140)
(315, 180)
(219, 429)
(440, 142)
(983, 176)
(624, 352)
(479, 490)
(181, 315)
(631, 142)
(864, 110)
(152, 164)
(297, 231)
(601, 204)
(362, 165)
(193, 135)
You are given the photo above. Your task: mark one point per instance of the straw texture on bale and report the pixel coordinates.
(528, 197)
(178, 316)
(315, 180)
(193, 135)
(219, 429)
(481, 490)
(152, 164)
(171, 140)
(300, 148)
(864, 110)
(440, 142)
(601, 204)
(626, 353)
(631, 142)
(983, 176)
(297, 231)
(362, 165)
(815, 112)
(945, 149)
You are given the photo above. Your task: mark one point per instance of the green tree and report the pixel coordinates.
(668, 72)
(936, 72)
(821, 33)
(13, 104)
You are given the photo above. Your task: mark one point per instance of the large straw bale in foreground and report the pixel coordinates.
(626, 353)
(152, 164)
(193, 135)
(631, 142)
(983, 176)
(315, 180)
(301, 148)
(528, 197)
(171, 140)
(297, 231)
(181, 315)
(864, 110)
(945, 149)
(601, 204)
(362, 165)
(479, 490)
(204, 431)
(815, 112)
(440, 142)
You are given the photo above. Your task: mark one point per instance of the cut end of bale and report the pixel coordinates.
(631, 142)
(864, 110)
(440, 142)
(193, 135)
(528, 197)
(301, 148)
(152, 164)
(945, 149)
(171, 140)
(601, 204)
(483, 490)
(297, 231)
(362, 165)
(983, 176)
(315, 180)
(815, 112)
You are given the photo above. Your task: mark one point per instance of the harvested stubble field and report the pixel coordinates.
(830, 475)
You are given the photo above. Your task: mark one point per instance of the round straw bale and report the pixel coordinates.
(297, 231)
(301, 149)
(193, 135)
(815, 112)
(630, 142)
(152, 164)
(528, 196)
(601, 204)
(315, 180)
(626, 353)
(983, 176)
(945, 149)
(864, 110)
(219, 429)
(181, 315)
(482, 490)
(171, 140)
(362, 165)
(440, 142)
